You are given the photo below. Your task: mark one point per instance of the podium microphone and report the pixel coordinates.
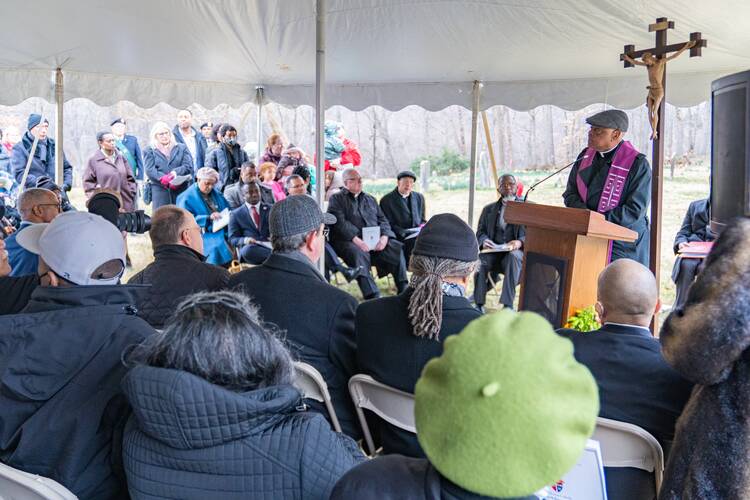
(552, 175)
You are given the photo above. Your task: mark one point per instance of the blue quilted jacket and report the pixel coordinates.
(191, 439)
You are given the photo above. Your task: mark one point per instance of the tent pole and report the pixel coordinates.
(259, 103)
(320, 78)
(473, 162)
(59, 101)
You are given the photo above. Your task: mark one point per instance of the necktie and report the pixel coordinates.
(256, 217)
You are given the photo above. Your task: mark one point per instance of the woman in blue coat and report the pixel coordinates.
(206, 205)
(169, 166)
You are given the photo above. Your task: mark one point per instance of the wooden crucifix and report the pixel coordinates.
(655, 60)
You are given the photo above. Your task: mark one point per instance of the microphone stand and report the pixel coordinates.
(552, 175)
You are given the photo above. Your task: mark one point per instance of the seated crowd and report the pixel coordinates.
(182, 382)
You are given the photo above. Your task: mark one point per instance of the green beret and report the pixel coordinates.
(506, 409)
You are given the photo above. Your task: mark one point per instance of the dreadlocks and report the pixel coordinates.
(426, 303)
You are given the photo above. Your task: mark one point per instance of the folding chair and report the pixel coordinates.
(392, 405)
(627, 445)
(20, 485)
(311, 384)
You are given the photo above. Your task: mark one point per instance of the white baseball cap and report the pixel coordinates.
(74, 245)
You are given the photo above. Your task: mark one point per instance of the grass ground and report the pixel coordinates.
(688, 185)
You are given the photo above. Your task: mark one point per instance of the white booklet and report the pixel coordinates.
(494, 247)
(221, 222)
(371, 236)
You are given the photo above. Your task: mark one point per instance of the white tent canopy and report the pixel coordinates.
(391, 53)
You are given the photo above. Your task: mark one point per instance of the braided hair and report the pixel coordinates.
(426, 303)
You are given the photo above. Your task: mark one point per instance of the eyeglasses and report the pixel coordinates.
(166, 132)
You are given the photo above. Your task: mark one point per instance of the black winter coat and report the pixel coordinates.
(229, 171)
(176, 272)
(395, 477)
(401, 219)
(191, 439)
(389, 352)
(318, 320)
(637, 386)
(62, 410)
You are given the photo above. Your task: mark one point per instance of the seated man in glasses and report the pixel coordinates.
(36, 206)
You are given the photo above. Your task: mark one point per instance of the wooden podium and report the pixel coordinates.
(564, 252)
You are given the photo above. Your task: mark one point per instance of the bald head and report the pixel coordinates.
(38, 205)
(627, 293)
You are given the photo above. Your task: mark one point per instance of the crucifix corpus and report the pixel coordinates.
(655, 61)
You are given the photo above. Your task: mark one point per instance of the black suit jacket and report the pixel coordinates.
(394, 208)
(637, 386)
(486, 228)
(318, 320)
(351, 216)
(241, 225)
(389, 352)
(695, 225)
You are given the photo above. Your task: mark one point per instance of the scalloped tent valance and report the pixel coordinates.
(391, 53)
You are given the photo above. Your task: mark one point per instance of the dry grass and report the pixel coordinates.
(689, 185)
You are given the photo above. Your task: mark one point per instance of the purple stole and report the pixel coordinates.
(618, 173)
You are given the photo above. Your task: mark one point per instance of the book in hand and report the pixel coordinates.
(221, 222)
(371, 236)
(495, 247)
(181, 179)
(696, 249)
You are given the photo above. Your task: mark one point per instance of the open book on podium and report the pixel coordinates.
(564, 252)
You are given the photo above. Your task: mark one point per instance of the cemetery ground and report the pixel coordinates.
(450, 195)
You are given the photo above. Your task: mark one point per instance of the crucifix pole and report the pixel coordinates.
(655, 60)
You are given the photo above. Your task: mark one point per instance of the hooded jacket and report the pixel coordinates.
(191, 439)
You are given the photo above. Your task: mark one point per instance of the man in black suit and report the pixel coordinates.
(493, 230)
(636, 385)
(317, 318)
(695, 227)
(248, 226)
(355, 210)
(405, 210)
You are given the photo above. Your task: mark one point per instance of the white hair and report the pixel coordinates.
(158, 127)
(207, 173)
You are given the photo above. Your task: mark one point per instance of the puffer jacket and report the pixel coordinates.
(62, 410)
(191, 439)
(177, 271)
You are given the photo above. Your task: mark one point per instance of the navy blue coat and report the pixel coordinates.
(43, 162)
(131, 144)
(637, 386)
(201, 146)
(191, 439)
(241, 225)
(318, 320)
(158, 165)
(62, 410)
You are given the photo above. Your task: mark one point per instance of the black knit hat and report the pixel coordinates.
(448, 237)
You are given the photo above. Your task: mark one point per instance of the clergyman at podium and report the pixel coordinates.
(611, 177)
